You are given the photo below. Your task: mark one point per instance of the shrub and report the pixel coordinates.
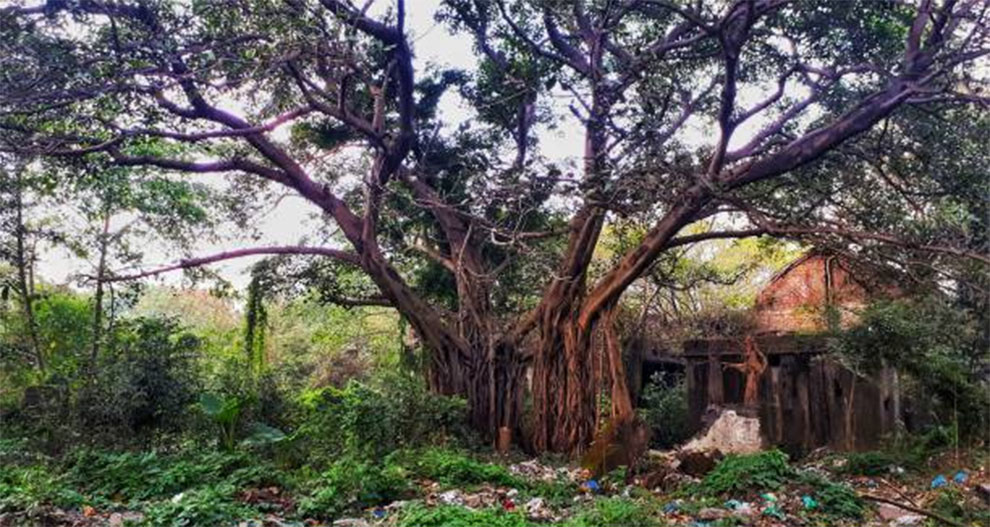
(454, 468)
(617, 512)
(144, 383)
(836, 499)
(27, 488)
(664, 408)
(208, 505)
(372, 420)
(453, 516)
(755, 472)
(141, 476)
(352, 484)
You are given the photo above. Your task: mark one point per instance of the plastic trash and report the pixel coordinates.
(591, 486)
(671, 507)
(508, 504)
(960, 477)
(774, 512)
(939, 481)
(809, 502)
(733, 505)
(378, 513)
(770, 497)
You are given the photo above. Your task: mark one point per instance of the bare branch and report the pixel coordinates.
(189, 263)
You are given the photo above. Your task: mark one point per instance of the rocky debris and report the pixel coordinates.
(537, 510)
(888, 512)
(273, 497)
(908, 520)
(710, 514)
(697, 463)
(119, 519)
(482, 498)
(536, 471)
(729, 433)
(451, 497)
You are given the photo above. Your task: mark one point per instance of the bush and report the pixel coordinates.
(838, 500)
(351, 484)
(617, 512)
(748, 473)
(27, 488)
(454, 468)
(208, 505)
(453, 516)
(372, 420)
(144, 383)
(141, 476)
(664, 408)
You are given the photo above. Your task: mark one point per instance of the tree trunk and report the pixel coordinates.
(24, 279)
(101, 268)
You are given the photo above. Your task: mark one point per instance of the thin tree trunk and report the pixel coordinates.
(101, 268)
(25, 281)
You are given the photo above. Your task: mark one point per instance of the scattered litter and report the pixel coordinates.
(591, 486)
(537, 510)
(939, 482)
(809, 502)
(451, 497)
(351, 522)
(379, 513)
(909, 520)
(508, 504)
(672, 507)
(740, 508)
(960, 477)
(710, 514)
(896, 470)
(772, 509)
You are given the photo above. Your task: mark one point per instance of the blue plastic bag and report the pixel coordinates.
(939, 482)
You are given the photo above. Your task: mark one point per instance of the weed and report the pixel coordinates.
(209, 505)
(454, 468)
(27, 488)
(837, 500)
(743, 473)
(350, 484)
(617, 512)
(453, 516)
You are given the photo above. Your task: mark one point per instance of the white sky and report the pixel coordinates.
(293, 219)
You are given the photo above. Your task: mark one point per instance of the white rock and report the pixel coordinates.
(730, 434)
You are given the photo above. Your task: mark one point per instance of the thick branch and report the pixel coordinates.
(189, 263)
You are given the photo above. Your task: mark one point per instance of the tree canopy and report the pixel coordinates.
(854, 123)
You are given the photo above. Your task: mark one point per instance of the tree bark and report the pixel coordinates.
(24, 272)
(101, 268)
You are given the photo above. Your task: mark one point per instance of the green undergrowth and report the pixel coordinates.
(747, 476)
(618, 512)
(418, 515)
(764, 471)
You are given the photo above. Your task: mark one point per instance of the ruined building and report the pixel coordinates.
(802, 395)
